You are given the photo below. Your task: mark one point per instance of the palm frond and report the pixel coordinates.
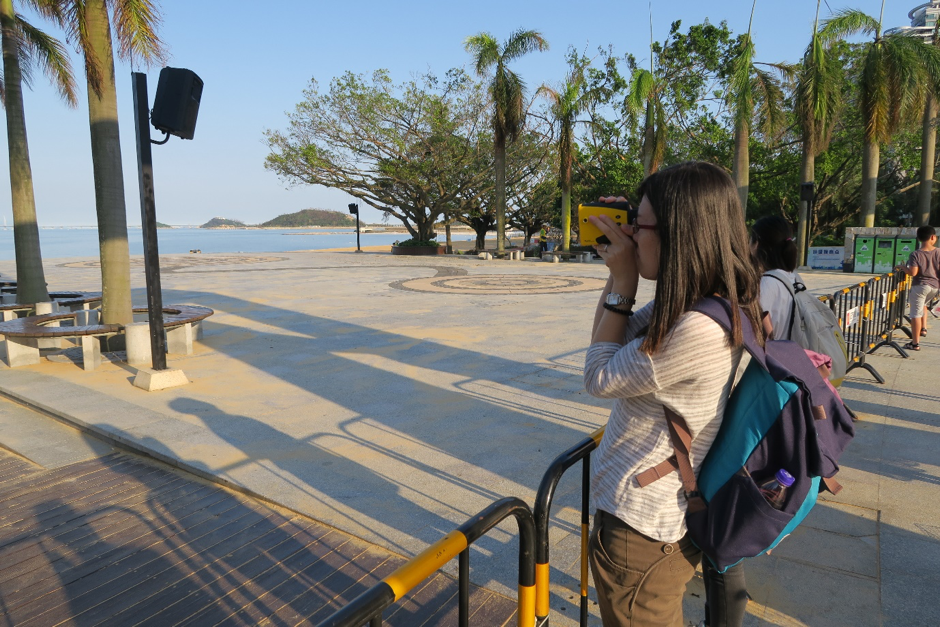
(846, 23)
(135, 24)
(768, 93)
(45, 51)
(642, 84)
(485, 51)
(522, 42)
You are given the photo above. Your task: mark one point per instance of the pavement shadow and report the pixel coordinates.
(138, 545)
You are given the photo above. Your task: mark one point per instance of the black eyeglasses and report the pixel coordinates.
(637, 227)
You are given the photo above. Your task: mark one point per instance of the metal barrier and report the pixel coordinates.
(368, 606)
(543, 504)
(888, 294)
(852, 307)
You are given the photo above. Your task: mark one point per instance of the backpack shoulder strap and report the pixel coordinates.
(719, 310)
(681, 439)
(793, 290)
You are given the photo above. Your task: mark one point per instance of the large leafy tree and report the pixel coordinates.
(411, 150)
(89, 24)
(817, 104)
(25, 47)
(749, 86)
(507, 91)
(567, 103)
(897, 71)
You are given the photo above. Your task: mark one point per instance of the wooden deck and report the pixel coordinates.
(120, 541)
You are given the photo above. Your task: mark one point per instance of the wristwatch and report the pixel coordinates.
(616, 300)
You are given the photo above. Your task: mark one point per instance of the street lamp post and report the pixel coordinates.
(354, 209)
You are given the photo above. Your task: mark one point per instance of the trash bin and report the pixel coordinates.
(884, 254)
(864, 254)
(903, 249)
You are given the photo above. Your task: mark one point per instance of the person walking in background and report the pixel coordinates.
(775, 250)
(543, 238)
(689, 237)
(924, 266)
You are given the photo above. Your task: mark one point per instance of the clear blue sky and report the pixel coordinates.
(256, 59)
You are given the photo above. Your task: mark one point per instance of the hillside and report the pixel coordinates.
(223, 223)
(311, 217)
(161, 225)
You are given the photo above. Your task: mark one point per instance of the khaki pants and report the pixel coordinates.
(639, 581)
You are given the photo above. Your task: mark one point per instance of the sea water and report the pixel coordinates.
(58, 242)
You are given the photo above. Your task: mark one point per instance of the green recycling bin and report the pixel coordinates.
(864, 254)
(884, 254)
(903, 249)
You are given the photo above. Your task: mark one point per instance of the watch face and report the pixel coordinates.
(613, 299)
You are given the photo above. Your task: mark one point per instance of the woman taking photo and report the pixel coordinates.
(689, 237)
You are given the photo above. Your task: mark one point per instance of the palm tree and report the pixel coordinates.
(88, 23)
(928, 152)
(749, 84)
(566, 104)
(646, 95)
(24, 43)
(817, 105)
(508, 93)
(897, 72)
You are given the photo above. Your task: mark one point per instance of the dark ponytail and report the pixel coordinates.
(776, 249)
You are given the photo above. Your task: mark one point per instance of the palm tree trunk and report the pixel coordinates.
(741, 166)
(927, 161)
(500, 158)
(648, 141)
(109, 176)
(807, 175)
(31, 281)
(870, 155)
(566, 193)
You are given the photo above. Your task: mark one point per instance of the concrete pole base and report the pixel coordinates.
(137, 337)
(153, 380)
(49, 308)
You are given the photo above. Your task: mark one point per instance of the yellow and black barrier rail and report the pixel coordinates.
(889, 301)
(853, 308)
(543, 504)
(368, 606)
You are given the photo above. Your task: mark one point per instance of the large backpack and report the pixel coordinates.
(813, 326)
(781, 414)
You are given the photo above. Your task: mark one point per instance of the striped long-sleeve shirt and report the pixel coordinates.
(693, 373)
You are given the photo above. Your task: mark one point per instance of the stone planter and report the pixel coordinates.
(418, 250)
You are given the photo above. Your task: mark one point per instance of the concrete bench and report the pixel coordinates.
(183, 324)
(555, 256)
(23, 336)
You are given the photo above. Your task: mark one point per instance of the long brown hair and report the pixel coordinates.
(703, 248)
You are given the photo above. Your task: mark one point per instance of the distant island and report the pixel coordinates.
(310, 217)
(223, 223)
(161, 225)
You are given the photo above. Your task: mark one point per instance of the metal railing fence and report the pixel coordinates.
(368, 607)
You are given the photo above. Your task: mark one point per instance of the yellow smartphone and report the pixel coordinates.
(588, 234)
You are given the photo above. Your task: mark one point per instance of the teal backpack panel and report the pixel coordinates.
(752, 409)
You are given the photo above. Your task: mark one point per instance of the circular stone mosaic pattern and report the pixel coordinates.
(502, 284)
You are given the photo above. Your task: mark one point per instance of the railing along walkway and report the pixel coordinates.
(117, 541)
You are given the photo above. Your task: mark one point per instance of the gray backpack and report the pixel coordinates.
(813, 326)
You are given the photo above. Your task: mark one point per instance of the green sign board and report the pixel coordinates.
(864, 254)
(884, 254)
(903, 250)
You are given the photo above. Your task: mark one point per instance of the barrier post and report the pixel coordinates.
(542, 512)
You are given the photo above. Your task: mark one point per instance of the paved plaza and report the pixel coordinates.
(394, 397)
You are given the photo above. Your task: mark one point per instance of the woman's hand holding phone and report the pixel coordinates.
(620, 254)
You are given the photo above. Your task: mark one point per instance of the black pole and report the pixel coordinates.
(807, 195)
(358, 249)
(148, 216)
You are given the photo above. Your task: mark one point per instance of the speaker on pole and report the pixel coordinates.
(176, 103)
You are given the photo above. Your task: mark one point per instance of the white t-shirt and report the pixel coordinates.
(775, 299)
(692, 372)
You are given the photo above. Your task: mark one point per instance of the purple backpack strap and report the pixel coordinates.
(719, 310)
